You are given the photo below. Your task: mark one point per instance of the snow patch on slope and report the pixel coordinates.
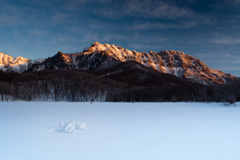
(40, 60)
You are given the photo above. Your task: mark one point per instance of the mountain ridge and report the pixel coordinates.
(100, 56)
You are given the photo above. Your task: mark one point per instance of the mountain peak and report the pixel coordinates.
(5, 59)
(95, 44)
(60, 53)
(60, 56)
(97, 47)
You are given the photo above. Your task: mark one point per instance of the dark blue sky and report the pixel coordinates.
(208, 30)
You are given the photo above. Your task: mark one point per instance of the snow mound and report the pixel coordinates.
(72, 126)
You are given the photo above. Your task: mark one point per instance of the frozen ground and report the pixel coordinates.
(119, 131)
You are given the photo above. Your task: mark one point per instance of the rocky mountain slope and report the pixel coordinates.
(101, 56)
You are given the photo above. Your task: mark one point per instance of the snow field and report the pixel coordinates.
(119, 131)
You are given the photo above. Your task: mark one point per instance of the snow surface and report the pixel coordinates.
(120, 131)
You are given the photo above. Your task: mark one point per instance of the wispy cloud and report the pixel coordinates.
(157, 9)
(163, 25)
(144, 9)
(233, 2)
(226, 40)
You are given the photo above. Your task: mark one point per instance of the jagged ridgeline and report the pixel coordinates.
(106, 72)
(99, 56)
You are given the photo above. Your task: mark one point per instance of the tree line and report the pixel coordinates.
(76, 86)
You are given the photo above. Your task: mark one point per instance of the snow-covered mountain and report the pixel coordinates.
(19, 64)
(8, 63)
(99, 56)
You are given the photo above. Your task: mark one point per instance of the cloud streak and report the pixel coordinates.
(226, 40)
